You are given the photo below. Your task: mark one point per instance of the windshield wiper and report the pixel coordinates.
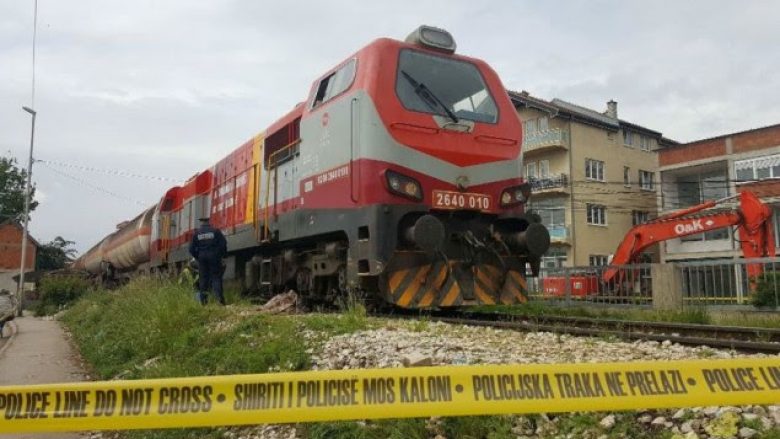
(428, 97)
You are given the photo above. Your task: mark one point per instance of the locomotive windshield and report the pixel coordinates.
(447, 87)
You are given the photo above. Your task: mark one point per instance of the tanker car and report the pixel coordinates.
(399, 176)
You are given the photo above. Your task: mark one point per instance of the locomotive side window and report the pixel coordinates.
(334, 84)
(282, 145)
(444, 86)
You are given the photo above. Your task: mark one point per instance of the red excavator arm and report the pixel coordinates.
(753, 219)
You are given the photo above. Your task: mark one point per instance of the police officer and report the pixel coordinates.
(208, 247)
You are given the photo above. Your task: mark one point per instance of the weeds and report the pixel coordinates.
(478, 427)
(390, 429)
(119, 332)
(57, 292)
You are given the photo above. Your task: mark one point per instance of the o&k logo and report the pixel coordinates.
(692, 227)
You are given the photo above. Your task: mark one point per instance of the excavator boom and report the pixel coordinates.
(753, 219)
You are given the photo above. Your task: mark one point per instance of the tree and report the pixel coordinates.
(12, 183)
(55, 254)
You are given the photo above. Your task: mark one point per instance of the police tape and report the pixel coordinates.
(387, 393)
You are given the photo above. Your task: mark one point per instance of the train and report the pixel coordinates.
(399, 178)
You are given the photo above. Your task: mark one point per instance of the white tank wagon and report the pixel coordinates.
(90, 261)
(123, 250)
(128, 247)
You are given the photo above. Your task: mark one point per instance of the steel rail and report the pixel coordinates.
(747, 339)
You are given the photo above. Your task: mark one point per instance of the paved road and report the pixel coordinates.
(39, 353)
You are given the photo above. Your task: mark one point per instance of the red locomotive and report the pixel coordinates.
(399, 176)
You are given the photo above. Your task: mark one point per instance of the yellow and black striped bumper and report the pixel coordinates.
(439, 285)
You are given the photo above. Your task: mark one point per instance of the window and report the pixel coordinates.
(698, 188)
(543, 124)
(639, 217)
(713, 235)
(441, 85)
(628, 138)
(554, 258)
(544, 169)
(626, 176)
(757, 169)
(645, 180)
(552, 211)
(597, 214)
(644, 143)
(594, 169)
(335, 83)
(598, 260)
(529, 128)
(282, 145)
(530, 170)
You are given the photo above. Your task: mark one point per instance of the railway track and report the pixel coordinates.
(729, 337)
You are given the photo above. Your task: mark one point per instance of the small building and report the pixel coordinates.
(11, 254)
(592, 176)
(714, 168)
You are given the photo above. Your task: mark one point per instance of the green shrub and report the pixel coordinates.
(767, 290)
(60, 291)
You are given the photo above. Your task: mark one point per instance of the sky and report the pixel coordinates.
(133, 96)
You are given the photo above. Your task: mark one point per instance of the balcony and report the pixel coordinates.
(557, 184)
(559, 235)
(547, 140)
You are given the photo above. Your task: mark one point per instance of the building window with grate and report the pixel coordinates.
(597, 214)
(757, 169)
(645, 180)
(594, 170)
(626, 176)
(598, 260)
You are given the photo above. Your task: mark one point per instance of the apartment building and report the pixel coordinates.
(593, 176)
(714, 168)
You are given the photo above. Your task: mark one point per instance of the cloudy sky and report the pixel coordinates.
(131, 93)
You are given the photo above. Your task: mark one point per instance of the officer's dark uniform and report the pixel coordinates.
(208, 247)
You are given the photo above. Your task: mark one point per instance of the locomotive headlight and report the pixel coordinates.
(404, 186)
(506, 198)
(432, 38)
(395, 183)
(515, 195)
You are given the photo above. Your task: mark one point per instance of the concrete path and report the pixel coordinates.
(38, 353)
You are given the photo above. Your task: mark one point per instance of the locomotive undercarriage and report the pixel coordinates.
(406, 258)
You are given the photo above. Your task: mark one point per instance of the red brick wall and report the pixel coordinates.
(757, 139)
(763, 189)
(691, 152)
(11, 248)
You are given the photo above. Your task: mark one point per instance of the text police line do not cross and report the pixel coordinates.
(387, 393)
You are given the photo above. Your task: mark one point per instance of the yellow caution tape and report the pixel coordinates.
(387, 393)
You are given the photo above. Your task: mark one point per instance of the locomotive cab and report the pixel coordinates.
(453, 225)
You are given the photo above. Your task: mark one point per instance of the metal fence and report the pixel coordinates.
(695, 283)
(726, 282)
(627, 285)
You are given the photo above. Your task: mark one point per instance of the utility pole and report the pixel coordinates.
(28, 191)
(27, 196)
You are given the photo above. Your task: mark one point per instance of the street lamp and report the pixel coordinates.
(27, 196)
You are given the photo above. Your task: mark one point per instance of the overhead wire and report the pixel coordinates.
(93, 186)
(117, 172)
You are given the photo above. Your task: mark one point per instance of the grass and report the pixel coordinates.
(479, 427)
(156, 329)
(390, 429)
